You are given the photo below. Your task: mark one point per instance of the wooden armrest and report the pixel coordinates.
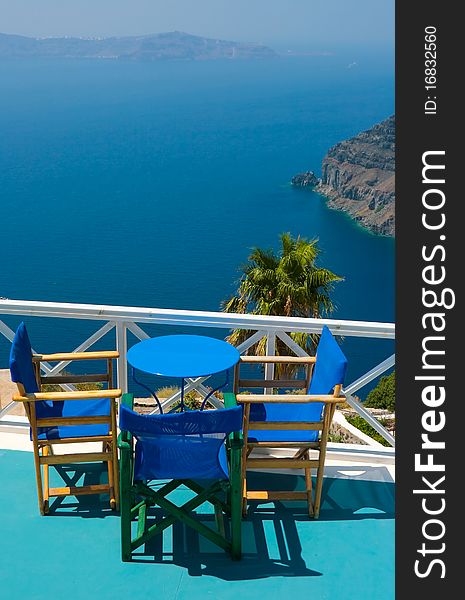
(279, 359)
(75, 356)
(85, 395)
(288, 398)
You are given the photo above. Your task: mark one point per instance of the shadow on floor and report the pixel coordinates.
(87, 506)
(272, 532)
(199, 557)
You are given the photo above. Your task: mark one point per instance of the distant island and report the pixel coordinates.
(358, 177)
(174, 45)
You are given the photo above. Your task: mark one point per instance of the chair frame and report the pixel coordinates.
(137, 497)
(301, 458)
(43, 449)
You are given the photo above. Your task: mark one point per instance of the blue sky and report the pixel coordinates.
(313, 24)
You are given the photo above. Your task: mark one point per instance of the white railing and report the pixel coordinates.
(124, 319)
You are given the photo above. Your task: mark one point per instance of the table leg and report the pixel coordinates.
(154, 396)
(182, 394)
(215, 390)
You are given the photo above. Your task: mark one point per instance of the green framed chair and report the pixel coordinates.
(199, 449)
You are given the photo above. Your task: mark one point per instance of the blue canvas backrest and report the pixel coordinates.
(329, 371)
(188, 423)
(21, 367)
(330, 367)
(181, 445)
(22, 371)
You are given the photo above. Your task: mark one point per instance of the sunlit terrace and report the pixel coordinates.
(348, 552)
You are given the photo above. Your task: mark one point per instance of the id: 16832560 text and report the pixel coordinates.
(431, 72)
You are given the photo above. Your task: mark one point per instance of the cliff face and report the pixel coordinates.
(358, 177)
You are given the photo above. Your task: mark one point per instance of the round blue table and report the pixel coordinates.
(182, 356)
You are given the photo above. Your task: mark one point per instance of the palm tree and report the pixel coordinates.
(288, 284)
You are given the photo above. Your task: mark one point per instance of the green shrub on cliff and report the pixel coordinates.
(384, 394)
(360, 423)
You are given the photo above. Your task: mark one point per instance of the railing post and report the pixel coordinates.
(121, 362)
(270, 351)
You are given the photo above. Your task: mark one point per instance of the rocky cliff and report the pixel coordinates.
(358, 177)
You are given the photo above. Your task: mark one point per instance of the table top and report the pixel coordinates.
(183, 356)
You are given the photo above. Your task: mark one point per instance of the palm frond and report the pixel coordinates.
(288, 284)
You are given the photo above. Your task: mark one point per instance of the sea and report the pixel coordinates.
(148, 184)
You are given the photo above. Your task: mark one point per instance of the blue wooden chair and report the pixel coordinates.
(186, 448)
(67, 417)
(292, 421)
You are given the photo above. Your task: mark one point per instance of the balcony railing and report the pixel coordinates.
(123, 319)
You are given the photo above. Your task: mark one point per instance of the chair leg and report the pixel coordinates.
(321, 460)
(244, 497)
(40, 492)
(113, 475)
(236, 505)
(31, 412)
(319, 480)
(125, 506)
(116, 477)
(318, 488)
(125, 511)
(111, 484)
(46, 450)
(114, 450)
(308, 486)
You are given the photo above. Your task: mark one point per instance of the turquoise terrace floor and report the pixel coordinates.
(75, 553)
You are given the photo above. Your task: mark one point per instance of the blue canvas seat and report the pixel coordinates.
(62, 417)
(300, 422)
(70, 409)
(186, 448)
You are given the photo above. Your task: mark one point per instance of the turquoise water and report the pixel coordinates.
(148, 184)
